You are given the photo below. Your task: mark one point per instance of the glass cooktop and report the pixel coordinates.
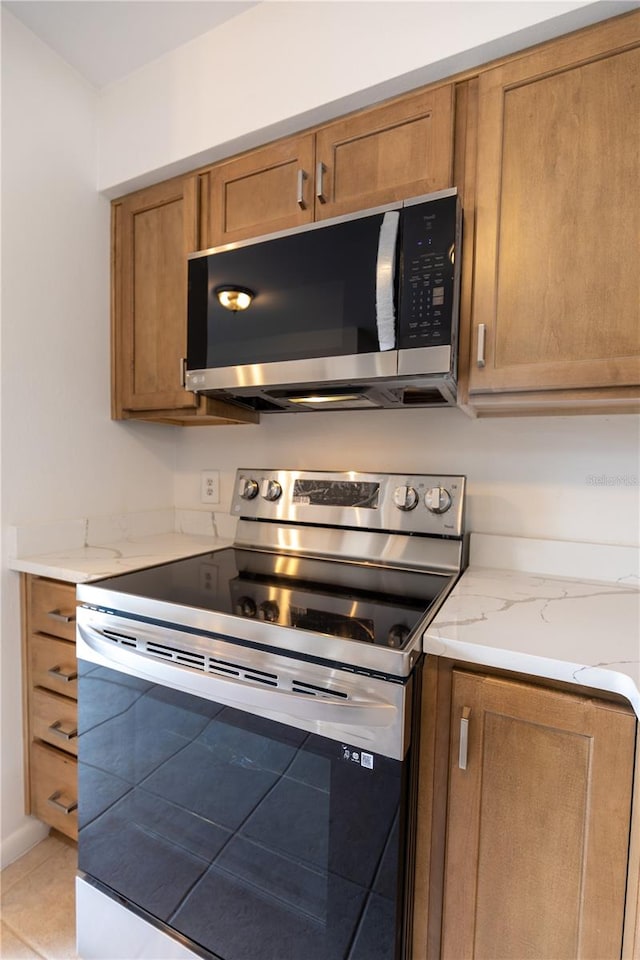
(357, 601)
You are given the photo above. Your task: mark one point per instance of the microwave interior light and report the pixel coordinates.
(234, 298)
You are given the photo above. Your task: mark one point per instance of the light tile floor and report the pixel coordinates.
(38, 903)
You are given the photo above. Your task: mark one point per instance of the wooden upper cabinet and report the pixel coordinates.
(538, 823)
(403, 148)
(154, 230)
(557, 284)
(264, 191)
(400, 149)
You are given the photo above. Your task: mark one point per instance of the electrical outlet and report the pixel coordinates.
(210, 486)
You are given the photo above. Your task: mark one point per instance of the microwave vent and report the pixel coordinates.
(421, 397)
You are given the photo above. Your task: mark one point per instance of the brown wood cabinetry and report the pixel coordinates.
(556, 306)
(544, 147)
(527, 798)
(261, 192)
(400, 149)
(50, 694)
(153, 232)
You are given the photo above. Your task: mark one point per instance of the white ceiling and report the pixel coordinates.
(107, 39)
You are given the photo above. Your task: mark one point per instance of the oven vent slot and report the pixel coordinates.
(206, 664)
(121, 638)
(244, 673)
(215, 667)
(255, 679)
(315, 691)
(184, 657)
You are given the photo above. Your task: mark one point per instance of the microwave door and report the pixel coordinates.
(322, 308)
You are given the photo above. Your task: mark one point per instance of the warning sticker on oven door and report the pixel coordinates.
(360, 757)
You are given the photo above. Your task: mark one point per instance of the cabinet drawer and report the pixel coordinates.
(54, 791)
(55, 719)
(53, 665)
(53, 608)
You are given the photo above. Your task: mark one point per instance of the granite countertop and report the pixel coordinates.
(81, 564)
(585, 632)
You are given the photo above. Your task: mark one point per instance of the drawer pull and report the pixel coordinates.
(65, 808)
(59, 731)
(464, 738)
(58, 674)
(61, 617)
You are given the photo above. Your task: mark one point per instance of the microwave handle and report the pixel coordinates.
(385, 277)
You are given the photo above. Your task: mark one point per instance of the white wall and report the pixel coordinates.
(283, 66)
(566, 478)
(62, 457)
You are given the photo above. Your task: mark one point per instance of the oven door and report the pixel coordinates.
(243, 837)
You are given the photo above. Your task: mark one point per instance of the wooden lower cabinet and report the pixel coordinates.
(524, 850)
(50, 702)
(54, 793)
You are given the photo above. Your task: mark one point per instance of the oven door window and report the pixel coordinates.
(249, 837)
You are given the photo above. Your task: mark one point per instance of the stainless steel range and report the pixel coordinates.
(248, 726)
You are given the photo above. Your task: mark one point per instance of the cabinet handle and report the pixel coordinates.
(320, 172)
(58, 674)
(183, 372)
(59, 731)
(482, 336)
(66, 808)
(464, 738)
(302, 176)
(61, 617)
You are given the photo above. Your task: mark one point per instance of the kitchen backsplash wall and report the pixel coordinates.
(566, 478)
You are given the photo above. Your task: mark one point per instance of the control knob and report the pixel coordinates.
(437, 500)
(270, 489)
(269, 611)
(245, 607)
(248, 488)
(405, 498)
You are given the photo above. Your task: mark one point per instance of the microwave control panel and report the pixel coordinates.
(430, 273)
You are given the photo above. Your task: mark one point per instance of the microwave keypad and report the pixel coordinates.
(428, 282)
(427, 308)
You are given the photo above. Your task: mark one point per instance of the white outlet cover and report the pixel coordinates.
(210, 486)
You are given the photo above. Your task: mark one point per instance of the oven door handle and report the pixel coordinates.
(242, 694)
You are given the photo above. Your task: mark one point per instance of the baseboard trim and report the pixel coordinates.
(27, 835)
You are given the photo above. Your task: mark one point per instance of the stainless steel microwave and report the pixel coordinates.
(359, 311)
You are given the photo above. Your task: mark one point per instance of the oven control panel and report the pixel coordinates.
(408, 503)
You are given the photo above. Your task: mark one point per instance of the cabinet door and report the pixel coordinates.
(538, 823)
(557, 285)
(400, 149)
(154, 230)
(261, 192)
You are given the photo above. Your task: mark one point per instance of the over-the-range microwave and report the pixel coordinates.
(358, 311)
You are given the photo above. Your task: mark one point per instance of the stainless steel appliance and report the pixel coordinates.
(355, 312)
(248, 726)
